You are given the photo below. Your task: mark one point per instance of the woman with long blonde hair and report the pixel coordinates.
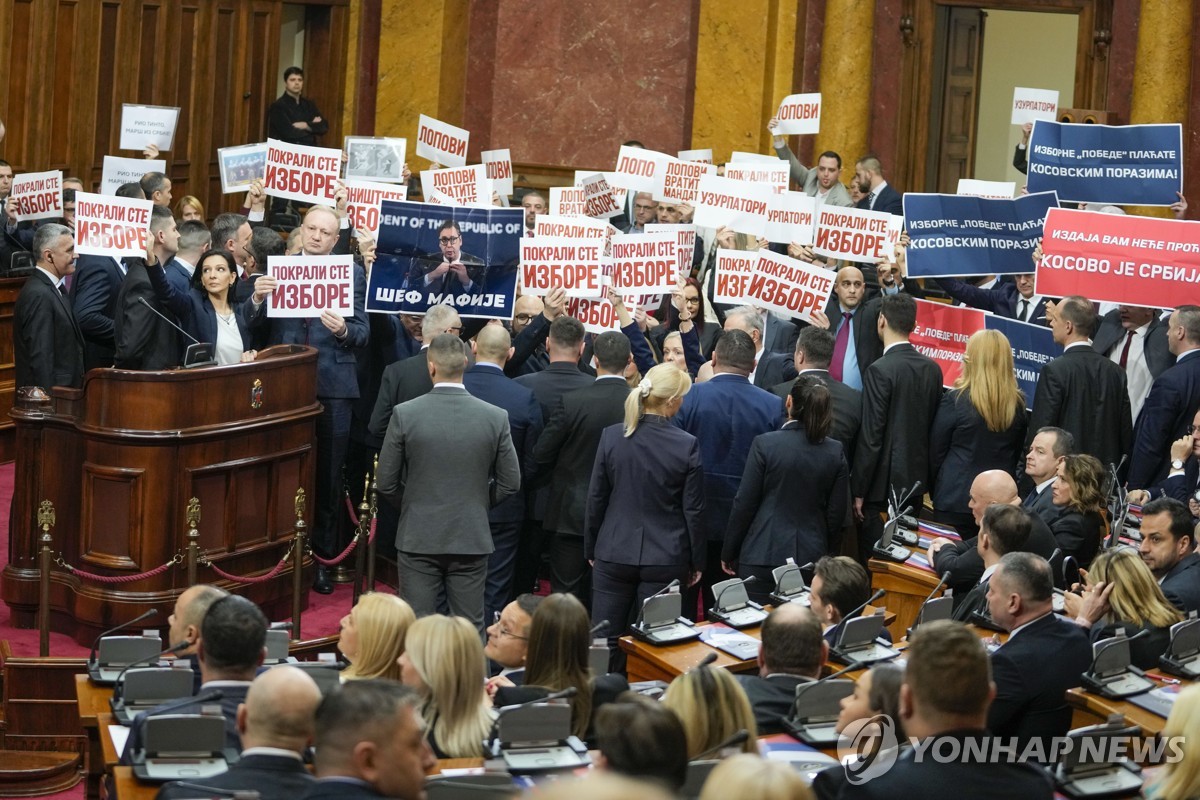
(979, 426)
(1180, 780)
(372, 636)
(712, 706)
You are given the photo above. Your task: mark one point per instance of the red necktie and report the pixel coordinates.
(1125, 351)
(840, 343)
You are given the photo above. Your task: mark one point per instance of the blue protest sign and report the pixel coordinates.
(1033, 347)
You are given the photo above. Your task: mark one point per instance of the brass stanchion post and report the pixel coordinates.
(193, 539)
(374, 516)
(298, 564)
(46, 556)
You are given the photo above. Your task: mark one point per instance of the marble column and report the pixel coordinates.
(846, 47)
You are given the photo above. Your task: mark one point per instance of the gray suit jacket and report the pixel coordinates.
(806, 179)
(447, 458)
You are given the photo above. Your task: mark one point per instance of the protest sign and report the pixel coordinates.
(465, 185)
(799, 113)
(111, 226)
(956, 235)
(853, 233)
(993, 190)
(598, 200)
(568, 201)
(241, 166)
(685, 245)
(790, 217)
(644, 262)
(1033, 347)
(636, 168)
(619, 194)
(434, 197)
(574, 228)
(1121, 164)
(737, 205)
(146, 125)
(679, 181)
(734, 270)
(119, 171)
(742, 157)
(789, 286)
(362, 203)
(573, 265)
(597, 316)
(474, 271)
(499, 170)
(773, 173)
(441, 142)
(703, 155)
(38, 195)
(308, 286)
(375, 158)
(298, 172)
(1030, 105)
(1140, 261)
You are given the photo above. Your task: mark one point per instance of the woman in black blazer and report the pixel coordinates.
(1077, 490)
(979, 426)
(794, 493)
(642, 526)
(207, 311)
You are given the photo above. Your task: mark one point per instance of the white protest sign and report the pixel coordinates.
(111, 226)
(703, 155)
(499, 169)
(38, 195)
(567, 201)
(598, 200)
(789, 286)
(466, 185)
(679, 181)
(773, 173)
(119, 171)
(737, 205)
(995, 190)
(734, 270)
(299, 172)
(434, 197)
(144, 125)
(441, 142)
(308, 286)
(574, 228)
(799, 113)
(636, 168)
(742, 157)
(685, 245)
(853, 233)
(887, 248)
(1030, 105)
(644, 262)
(362, 203)
(597, 316)
(619, 194)
(790, 218)
(573, 265)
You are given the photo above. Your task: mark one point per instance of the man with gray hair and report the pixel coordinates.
(47, 344)
(446, 459)
(770, 368)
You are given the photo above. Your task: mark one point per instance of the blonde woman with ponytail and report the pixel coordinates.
(642, 528)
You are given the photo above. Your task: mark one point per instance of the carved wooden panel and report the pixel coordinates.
(111, 516)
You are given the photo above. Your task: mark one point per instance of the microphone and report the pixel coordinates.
(839, 673)
(945, 579)
(837, 630)
(1119, 640)
(435, 780)
(213, 791)
(280, 626)
(118, 684)
(743, 582)
(200, 699)
(672, 585)
(163, 316)
(704, 662)
(738, 738)
(568, 692)
(599, 628)
(121, 627)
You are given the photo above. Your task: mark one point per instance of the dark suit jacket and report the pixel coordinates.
(961, 446)
(47, 344)
(94, 297)
(965, 564)
(774, 516)
(1181, 487)
(1143, 652)
(901, 392)
(847, 409)
(1111, 334)
(1078, 535)
(1043, 505)
(1002, 299)
(1166, 414)
(402, 381)
(178, 275)
(548, 387)
(492, 386)
(273, 777)
(867, 345)
(1085, 393)
(779, 336)
(1032, 672)
(971, 602)
(337, 789)
(888, 201)
(605, 690)
(195, 311)
(1182, 584)
(144, 339)
(725, 414)
(233, 694)
(645, 503)
(772, 699)
(773, 369)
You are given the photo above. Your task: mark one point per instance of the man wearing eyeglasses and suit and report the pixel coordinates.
(451, 271)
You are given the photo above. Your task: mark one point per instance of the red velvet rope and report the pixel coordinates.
(333, 562)
(245, 578)
(350, 508)
(91, 576)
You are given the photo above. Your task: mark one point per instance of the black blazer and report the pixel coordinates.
(847, 409)
(1086, 394)
(548, 387)
(1111, 334)
(965, 564)
(962, 446)
(901, 392)
(1078, 534)
(334, 789)
(402, 381)
(772, 699)
(889, 201)
(47, 344)
(773, 369)
(1002, 299)
(775, 516)
(1032, 672)
(1042, 505)
(491, 385)
(605, 690)
(273, 777)
(94, 298)
(971, 602)
(144, 339)
(867, 345)
(1182, 584)
(566, 451)
(1166, 414)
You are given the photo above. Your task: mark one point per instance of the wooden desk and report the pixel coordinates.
(130, 788)
(907, 587)
(1091, 709)
(93, 702)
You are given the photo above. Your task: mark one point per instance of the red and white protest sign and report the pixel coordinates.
(789, 286)
(773, 173)
(703, 155)
(571, 227)
(499, 169)
(636, 168)
(853, 233)
(465, 185)
(1139, 261)
(597, 316)
(38, 195)
(941, 334)
(362, 203)
(441, 142)
(297, 172)
(679, 181)
(598, 200)
(1030, 105)
(734, 270)
(308, 286)
(790, 218)
(567, 201)
(992, 190)
(685, 245)
(644, 262)
(799, 113)
(111, 226)
(573, 265)
(737, 205)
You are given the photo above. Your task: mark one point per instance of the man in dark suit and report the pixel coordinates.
(770, 367)
(793, 652)
(878, 195)
(567, 452)
(1014, 299)
(725, 414)
(47, 344)
(1173, 398)
(840, 585)
(185, 621)
(1135, 339)
(446, 459)
(408, 379)
(487, 381)
(450, 271)
(94, 292)
(1050, 445)
(194, 241)
(814, 350)
(1168, 547)
(779, 335)
(901, 392)
(1043, 657)
(944, 696)
(144, 339)
(277, 725)
(1004, 528)
(1082, 391)
(370, 744)
(852, 318)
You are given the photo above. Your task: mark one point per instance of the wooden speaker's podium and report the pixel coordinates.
(121, 458)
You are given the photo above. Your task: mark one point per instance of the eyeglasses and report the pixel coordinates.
(523, 317)
(448, 239)
(692, 301)
(1191, 429)
(503, 631)
(456, 329)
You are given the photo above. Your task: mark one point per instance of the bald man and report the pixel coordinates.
(277, 725)
(793, 652)
(851, 318)
(526, 310)
(487, 381)
(184, 622)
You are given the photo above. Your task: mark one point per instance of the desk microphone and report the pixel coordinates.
(945, 579)
(1115, 642)
(118, 684)
(568, 692)
(598, 628)
(200, 699)
(704, 662)
(672, 585)
(840, 672)
(738, 738)
(121, 627)
(163, 316)
(743, 583)
(837, 630)
(213, 791)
